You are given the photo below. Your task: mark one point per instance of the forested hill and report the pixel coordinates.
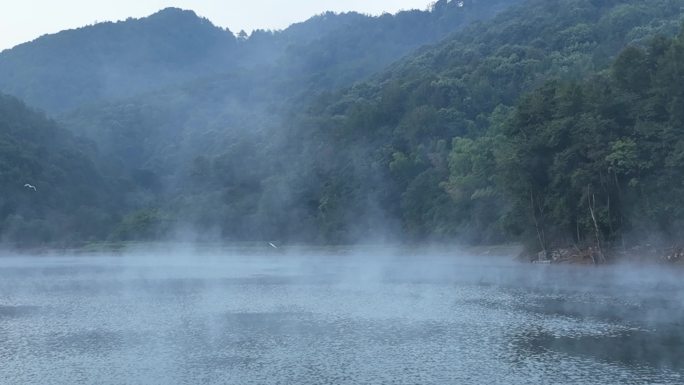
(555, 123)
(109, 60)
(416, 131)
(600, 161)
(61, 71)
(193, 94)
(51, 190)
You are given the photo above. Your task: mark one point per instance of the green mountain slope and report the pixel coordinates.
(600, 162)
(247, 113)
(72, 201)
(392, 138)
(116, 60)
(492, 134)
(108, 60)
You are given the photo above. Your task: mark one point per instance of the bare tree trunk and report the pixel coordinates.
(540, 231)
(592, 211)
(618, 189)
(610, 220)
(605, 183)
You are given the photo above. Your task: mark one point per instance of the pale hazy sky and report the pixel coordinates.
(25, 20)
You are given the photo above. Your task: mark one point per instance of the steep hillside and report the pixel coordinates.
(387, 145)
(600, 162)
(249, 156)
(71, 201)
(116, 60)
(108, 60)
(433, 147)
(246, 113)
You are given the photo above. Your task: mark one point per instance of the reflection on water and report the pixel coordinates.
(344, 320)
(631, 348)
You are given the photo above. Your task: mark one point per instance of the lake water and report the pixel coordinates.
(366, 318)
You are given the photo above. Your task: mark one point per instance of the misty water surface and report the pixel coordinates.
(367, 318)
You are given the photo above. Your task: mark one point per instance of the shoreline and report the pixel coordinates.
(263, 248)
(642, 255)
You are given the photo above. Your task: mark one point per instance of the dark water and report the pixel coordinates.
(365, 319)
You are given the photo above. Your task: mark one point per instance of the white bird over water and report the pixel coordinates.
(30, 187)
(272, 245)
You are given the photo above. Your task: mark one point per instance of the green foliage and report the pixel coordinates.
(112, 60)
(266, 168)
(611, 145)
(71, 202)
(556, 122)
(438, 125)
(143, 225)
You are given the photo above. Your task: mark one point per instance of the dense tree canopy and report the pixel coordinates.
(106, 61)
(550, 122)
(602, 158)
(52, 191)
(430, 127)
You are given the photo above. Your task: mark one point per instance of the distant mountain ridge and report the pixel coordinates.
(109, 60)
(344, 128)
(171, 97)
(51, 189)
(105, 61)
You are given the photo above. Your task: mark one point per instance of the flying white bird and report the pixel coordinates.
(272, 245)
(30, 187)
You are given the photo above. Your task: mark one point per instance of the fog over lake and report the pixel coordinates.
(185, 203)
(366, 317)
